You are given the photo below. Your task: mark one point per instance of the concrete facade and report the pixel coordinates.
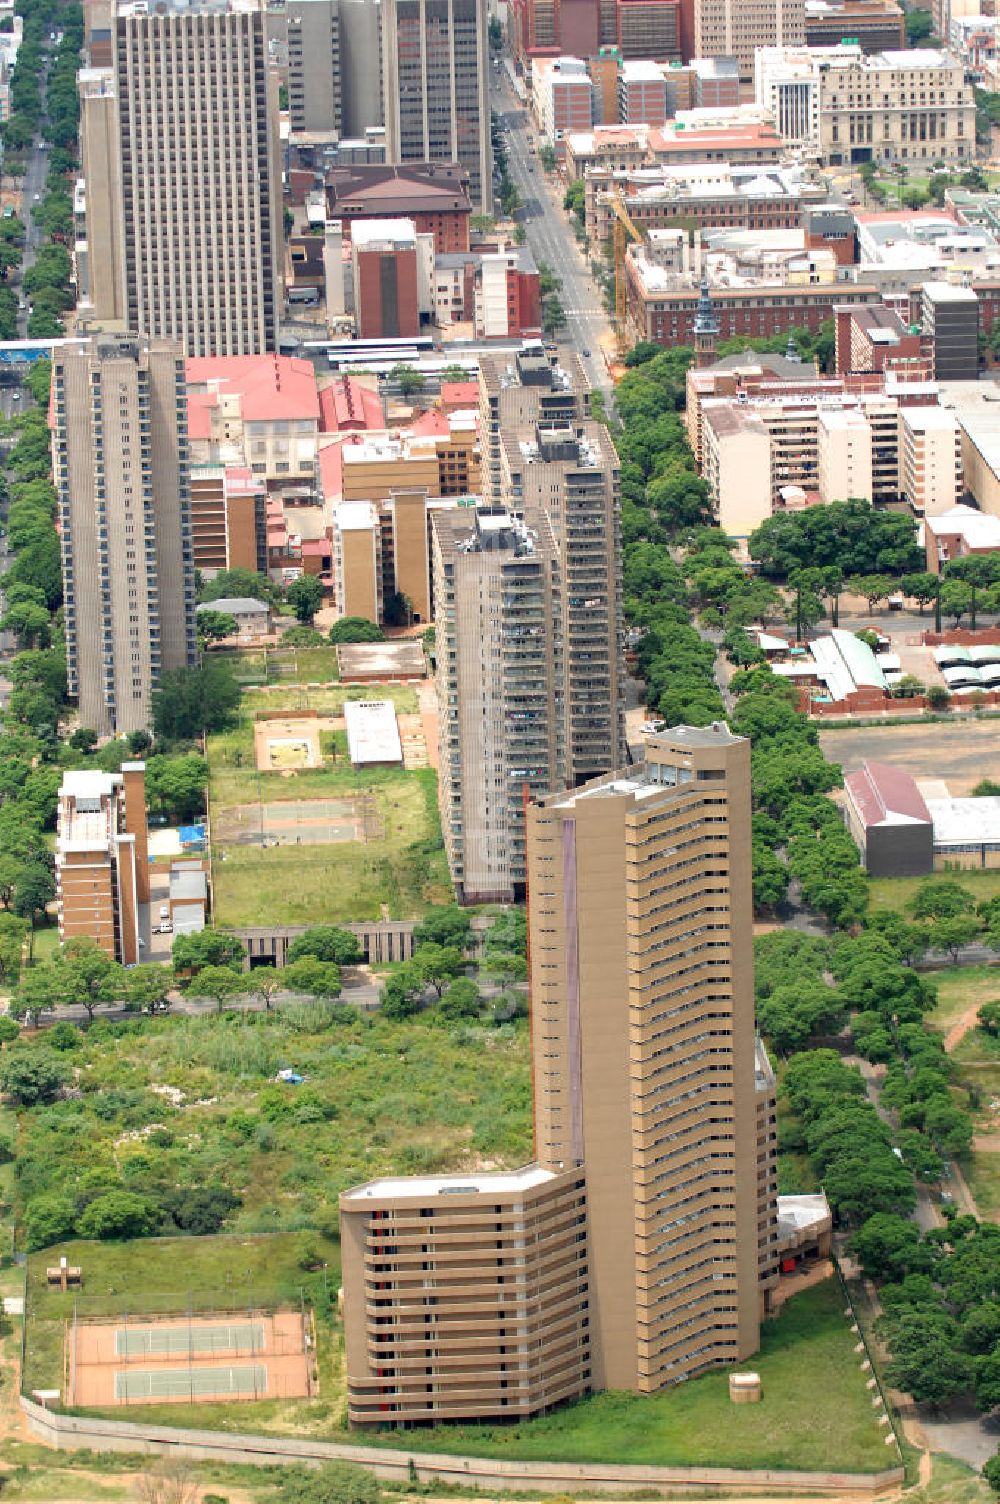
(194, 186)
(314, 102)
(102, 859)
(120, 465)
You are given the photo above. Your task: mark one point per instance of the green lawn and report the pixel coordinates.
(287, 665)
(405, 870)
(897, 892)
(328, 699)
(958, 987)
(816, 1411)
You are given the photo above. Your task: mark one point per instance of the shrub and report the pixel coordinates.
(118, 1214)
(49, 1219)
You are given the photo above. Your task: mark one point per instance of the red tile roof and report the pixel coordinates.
(269, 387)
(886, 795)
(459, 394)
(348, 405)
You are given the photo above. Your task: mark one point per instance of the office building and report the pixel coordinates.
(314, 102)
(360, 50)
(736, 28)
(120, 465)
(642, 94)
(562, 96)
(190, 189)
(102, 861)
(435, 81)
(851, 107)
(434, 195)
(950, 324)
(638, 1248)
(878, 25)
(384, 259)
(649, 29)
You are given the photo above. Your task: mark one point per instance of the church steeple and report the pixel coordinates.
(706, 328)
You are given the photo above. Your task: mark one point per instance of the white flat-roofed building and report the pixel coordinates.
(372, 732)
(930, 459)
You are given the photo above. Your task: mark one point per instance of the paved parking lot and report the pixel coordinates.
(961, 754)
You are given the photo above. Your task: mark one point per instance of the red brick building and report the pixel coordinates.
(434, 195)
(384, 266)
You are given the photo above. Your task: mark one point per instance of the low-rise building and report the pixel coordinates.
(252, 617)
(706, 195)
(386, 275)
(642, 93)
(957, 533)
(101, 858)
(258, 411)
(908, 827)
(434, 195)
(874, 338)
(876, 25)
(562, 96)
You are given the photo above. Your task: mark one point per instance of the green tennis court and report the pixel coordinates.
(173, 1383)
(165, 1341)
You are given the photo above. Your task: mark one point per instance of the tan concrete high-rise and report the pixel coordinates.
(736, 28)
(102, 861)
(523, 388)
(121, 472)
(314, 102)
(190, 188)
(641, 944)
(435, 83)
(637, 1249)
(530, 647)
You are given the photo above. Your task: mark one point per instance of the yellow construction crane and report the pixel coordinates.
(625, 230)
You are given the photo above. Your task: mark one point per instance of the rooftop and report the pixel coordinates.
(885, 795)
(399, 232)
(269, 388)
(979, 529)
(965, 822)
(384, 660)
(236, 605)
(372, 732)
(356, 516)
(496, 1182)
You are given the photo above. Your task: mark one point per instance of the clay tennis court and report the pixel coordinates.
(303, 822)
(187, 1360)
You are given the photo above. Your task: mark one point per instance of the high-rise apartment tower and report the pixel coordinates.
(121, 471)
(190, 180)
(638, 1247)
(641, 944)
(435, 80)
(314, 92)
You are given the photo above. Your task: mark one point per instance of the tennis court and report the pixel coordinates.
(134, 1361)
(303, 822)
(236, 1381)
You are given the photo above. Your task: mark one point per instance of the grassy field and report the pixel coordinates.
(959, 988)
(816, 1411)
(287, 665)
(897, 892)
(404, 871)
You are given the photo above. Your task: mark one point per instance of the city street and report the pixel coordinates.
(33, 186)
(549, 233)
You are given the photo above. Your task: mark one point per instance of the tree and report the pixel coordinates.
(953, 933)
(48, 1219)
(890, 1247)
(175, 786)
(941, 898)
(306, 595)
(938, 698)
(409, 381)
(85, 976)
(30, 1076)
(83, 740)
(956, 599)
(437, 964)
(29, 622)
(989, 1018)
(220, 983)
(921, 587)
(171, 1480)
(403, 992)
(926, 1359)
(444, 926)
(312, 976)
(327, 943)
(264, 982)
(147, 988)
(793, 1014)
(355, 629)
(948, 1126)
(190, 701)
(919, 26)
(191, 953)
(36, 889)
(991, 1472)
(230, 583)
(118, 1215)
(460, 1000)
(213, 626)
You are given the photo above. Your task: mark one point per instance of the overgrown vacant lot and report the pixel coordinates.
(192, 1103)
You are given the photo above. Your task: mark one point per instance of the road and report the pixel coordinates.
(36, 172)
(549, 234)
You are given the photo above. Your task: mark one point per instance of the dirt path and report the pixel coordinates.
(963, 1025)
